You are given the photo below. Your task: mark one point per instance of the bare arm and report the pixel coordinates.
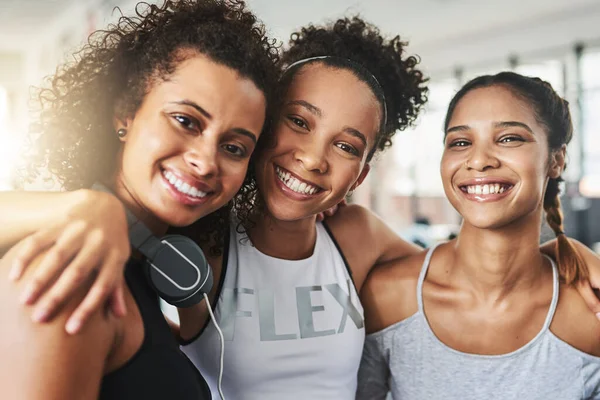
(367, 241)
(82, 232)
(23, 213)
(42, 361)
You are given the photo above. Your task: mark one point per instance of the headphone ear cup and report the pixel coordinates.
(179, 271)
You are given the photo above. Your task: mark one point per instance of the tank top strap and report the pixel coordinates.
(555, 293)
(422, 276)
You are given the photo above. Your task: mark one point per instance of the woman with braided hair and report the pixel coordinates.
(487, 314)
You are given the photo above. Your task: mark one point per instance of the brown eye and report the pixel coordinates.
(512, 138)
(234, 150)
(186, 122)
(348, 148)
(298, 122)
(459, 143)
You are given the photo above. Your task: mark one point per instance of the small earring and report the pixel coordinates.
(121, 133)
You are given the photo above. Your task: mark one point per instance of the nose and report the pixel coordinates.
(203, 159)
(313, 157)
(481, 159)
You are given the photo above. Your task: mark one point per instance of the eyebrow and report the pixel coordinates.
(303, 103)
(503, 124)
(458, 128)
(240, 131)
(356, 133)
(195, 106)
(513, 124)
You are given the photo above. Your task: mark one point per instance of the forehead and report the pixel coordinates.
(217, 88)
(493, 104)
(338, 92)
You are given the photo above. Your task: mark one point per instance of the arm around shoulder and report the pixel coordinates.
(41, 361)
(389, 294)
(381, 238)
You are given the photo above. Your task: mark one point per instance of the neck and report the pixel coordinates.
(121, 190)
(289, 240)
(494, 263)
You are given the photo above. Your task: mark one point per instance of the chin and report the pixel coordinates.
(490, 221)
(281, 213)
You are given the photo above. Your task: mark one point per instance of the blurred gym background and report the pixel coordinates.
(557, 40)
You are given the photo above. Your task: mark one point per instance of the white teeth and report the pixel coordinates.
(182, 186)
(293, 183)
(493, 188)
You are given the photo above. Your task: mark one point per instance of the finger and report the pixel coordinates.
(94, 300)
(320, 217)
(29, 248)
(78, 271)
(118, 301)
(107, 286)
(589, 296)
(57, 258)
(331, 211)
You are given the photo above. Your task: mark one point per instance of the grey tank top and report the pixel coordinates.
(408, 360)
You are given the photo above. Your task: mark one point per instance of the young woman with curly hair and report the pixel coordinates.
(287, 286)
(179, 90)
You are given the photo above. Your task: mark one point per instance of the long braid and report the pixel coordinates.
(571, 266)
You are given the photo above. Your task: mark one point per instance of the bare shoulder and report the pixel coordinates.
(389, 294)
(589, 257)
(352, 215)
(574, 323)
(33, 352)
(366, 240)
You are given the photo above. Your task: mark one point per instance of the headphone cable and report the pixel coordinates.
(222, 340)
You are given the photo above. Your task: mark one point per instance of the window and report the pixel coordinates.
(590, 83)
(7, 143)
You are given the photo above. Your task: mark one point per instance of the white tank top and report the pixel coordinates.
(293, 328)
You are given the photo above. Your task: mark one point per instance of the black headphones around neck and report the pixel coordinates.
(175, 265)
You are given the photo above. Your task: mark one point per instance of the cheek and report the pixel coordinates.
(449, 165)
(150, 144)
(233, 177)
(346, 176)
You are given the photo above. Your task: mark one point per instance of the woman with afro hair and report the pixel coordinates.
(178, 90)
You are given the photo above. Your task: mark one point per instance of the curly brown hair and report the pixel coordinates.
(404, 86)
(74, 136)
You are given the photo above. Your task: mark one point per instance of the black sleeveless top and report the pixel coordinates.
(159, 370)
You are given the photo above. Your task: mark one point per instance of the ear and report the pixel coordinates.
(121, 123)
(557, 162)
(361, 177)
